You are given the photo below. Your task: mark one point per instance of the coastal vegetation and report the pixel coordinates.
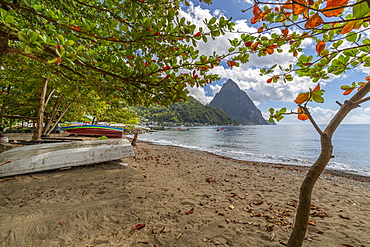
(191, 112)
(135, 52)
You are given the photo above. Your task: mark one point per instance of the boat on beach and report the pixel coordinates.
(182, 129)
(51, 156)
(94, 131)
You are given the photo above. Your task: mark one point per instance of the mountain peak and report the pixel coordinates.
(237, 104)
(230, 85)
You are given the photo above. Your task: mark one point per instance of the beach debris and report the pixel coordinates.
(282, 242)
(269, 228)
(190, 211)
(84, 192)
(311, 223)
(209, 180)
(123, 164)
(308, 239)
(179, 236)
(320, 232)
(138, 227)
(293, 203)
(258, 203)
(62, 222)
(143, 242)
(210, 240)
(343, 216)
(348, 245)
(231, 207)
(272, 236)
(319, 213)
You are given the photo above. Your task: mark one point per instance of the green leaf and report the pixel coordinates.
(28, 49)
(360, 10)
(9, 19)
(69, 42)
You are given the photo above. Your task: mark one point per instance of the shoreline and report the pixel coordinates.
(298, 168)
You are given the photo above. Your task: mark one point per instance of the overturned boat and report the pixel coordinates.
(95, 131)
(50, 156)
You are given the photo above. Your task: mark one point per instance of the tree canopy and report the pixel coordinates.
(140, 51)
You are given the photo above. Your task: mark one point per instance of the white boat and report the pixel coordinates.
(50, 156)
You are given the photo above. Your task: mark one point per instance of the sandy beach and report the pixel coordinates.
(171, 196)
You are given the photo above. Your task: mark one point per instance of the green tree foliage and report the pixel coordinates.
(191, 112)
(140, 51)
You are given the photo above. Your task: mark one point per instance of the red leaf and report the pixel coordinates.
(285, 32)
(231, 64)
(287, 5)
(302, 97)
(190, 211)
(77, 28)
(301, 115)
(311, 223)
(343, 217)
(254, 20)
(320, 46)
(314, 21)
(138, 227)
(269, 80)
(317, 88)
(334, 7)
(257, 12)
(348, 91)
(348, 27)
(197, 34)
(299, 7)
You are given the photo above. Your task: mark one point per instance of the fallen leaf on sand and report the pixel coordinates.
(190, 211)
(258, 203)
(343, 217)
(311, 223)
(269, 228)
(138, 227)
(62, 222)
(282, 242)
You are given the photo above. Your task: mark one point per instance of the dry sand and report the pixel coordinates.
(171, 196)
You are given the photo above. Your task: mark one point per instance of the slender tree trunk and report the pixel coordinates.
(303, 212)
(40, 117)
(52, 117)
(60, 117)
(2, 113)
(4, 105)
(133, 142)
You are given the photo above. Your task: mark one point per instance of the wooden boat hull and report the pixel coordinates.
(42, 157)
(95, 131)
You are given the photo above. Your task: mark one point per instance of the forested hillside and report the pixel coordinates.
(191, 112)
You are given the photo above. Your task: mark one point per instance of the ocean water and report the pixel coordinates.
(282, 144)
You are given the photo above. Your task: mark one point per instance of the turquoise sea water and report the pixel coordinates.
(284, 144)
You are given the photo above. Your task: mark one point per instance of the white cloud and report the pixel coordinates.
(199, 94)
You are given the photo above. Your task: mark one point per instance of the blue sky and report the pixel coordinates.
(247, 76)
